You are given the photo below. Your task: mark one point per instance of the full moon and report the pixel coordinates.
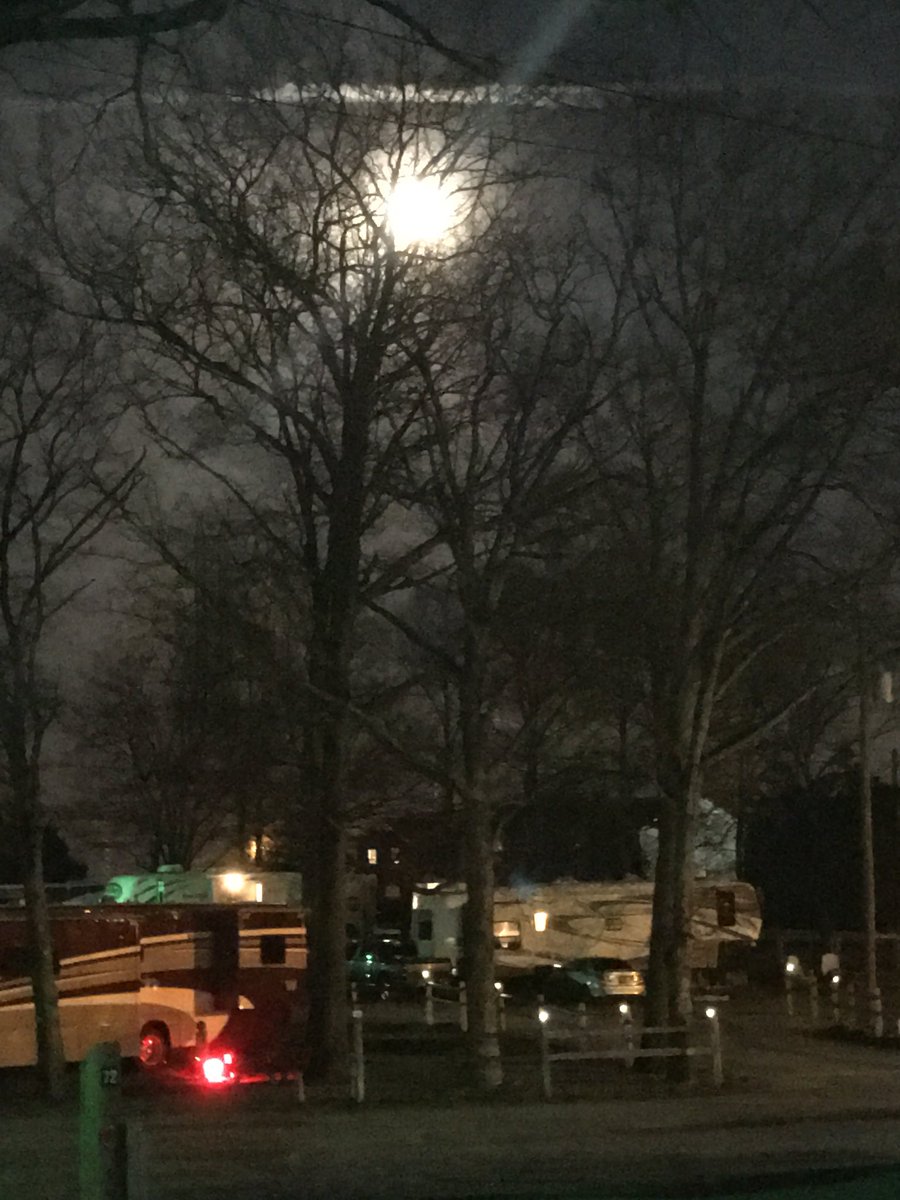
(419, 211)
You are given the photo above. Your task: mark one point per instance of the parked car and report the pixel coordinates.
(605, 977)
(583, 979)
(389, 965)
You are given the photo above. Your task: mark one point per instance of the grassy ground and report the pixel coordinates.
(424, 1131)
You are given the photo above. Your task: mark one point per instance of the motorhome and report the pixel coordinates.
(567, 920)
(98, 977)
(212, 971)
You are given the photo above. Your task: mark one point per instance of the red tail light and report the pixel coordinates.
(217, 1070)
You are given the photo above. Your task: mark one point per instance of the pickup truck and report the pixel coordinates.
(387, 965)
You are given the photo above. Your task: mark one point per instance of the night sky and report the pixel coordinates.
(835, 45)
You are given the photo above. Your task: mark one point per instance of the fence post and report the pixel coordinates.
(543, 1018)
(790, 968)
(876, 1013)
(301, 1088)
(358, 1071)
(779, 945)
(429, 999)
(715, 1045)
(813, 981)
(501, 1007)
(627, 1033)
(463, 1009)
(836, 999)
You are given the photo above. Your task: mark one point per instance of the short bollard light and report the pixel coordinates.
(836, 998)
(627, 1032)
(547, 1082)
(791, 969)
(429, 997)
(715, 1044)
(501, 1006)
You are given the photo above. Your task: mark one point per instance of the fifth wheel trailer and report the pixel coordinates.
(561, 921)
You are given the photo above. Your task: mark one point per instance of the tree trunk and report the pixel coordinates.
(479, 941)
(335, 606)
(669, 971)
(51, 1061)
(873, 992)
(478, 848)
(327, 931)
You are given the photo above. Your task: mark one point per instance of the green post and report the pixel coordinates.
(102, 1162)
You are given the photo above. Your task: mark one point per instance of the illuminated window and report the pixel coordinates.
(372, 856)
(507, 935)
(540, 922)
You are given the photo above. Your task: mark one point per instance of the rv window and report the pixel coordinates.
(272, 949)
(726, 916)
(507, 935)
(14, 961)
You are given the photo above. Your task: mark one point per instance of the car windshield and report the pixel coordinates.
(601, 964)
(395, 951)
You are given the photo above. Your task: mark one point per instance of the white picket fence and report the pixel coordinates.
(566, 1037)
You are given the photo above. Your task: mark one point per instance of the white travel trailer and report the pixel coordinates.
(561, 921)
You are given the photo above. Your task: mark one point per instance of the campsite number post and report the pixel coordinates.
(102, 1165)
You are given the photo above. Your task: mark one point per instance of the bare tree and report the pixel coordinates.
(39, 21)
(187, 724)
(61, 481)
(271, 292)
(154, 770)
(501, 405)
(762, 349)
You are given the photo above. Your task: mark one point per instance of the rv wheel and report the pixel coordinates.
(154, 1051)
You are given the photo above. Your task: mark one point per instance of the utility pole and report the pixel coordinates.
(873, 992)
